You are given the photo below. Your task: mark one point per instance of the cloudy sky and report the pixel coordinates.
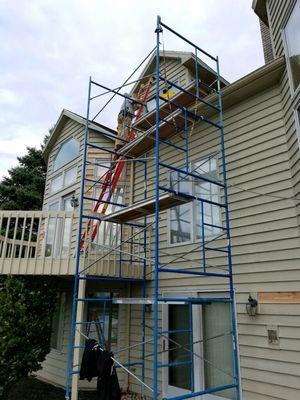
(49, 48)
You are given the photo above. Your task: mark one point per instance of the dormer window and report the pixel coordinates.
(292, 40)
(67, 152)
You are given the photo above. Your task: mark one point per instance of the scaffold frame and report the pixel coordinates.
(155, 206)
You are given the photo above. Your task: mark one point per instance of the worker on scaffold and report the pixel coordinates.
(126, 114)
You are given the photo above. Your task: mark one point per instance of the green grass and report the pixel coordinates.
(33, 389)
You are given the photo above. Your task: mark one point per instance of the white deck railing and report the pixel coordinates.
(36, 242)
(44, 242)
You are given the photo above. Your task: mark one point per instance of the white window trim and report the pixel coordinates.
(198, 293)
(192, 205)
(63, 173)
(294, 93)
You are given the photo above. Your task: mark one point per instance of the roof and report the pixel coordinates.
(64, 116)
(260, 9)
(187, 59)
(255, 82)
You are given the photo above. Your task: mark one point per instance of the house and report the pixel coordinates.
(261, 113)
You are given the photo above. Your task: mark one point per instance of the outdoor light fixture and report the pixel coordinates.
(74, 201)
(251, 306)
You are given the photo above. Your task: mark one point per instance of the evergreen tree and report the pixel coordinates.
(23, 188)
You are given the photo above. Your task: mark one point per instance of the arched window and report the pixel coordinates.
(67, 152)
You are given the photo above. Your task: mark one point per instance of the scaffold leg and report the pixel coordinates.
(78, 339)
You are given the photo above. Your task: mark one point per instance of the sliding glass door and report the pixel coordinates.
(199, 358)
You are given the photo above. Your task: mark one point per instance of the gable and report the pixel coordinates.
(66, 116)
(182, 62)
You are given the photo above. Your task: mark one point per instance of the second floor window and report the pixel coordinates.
(67, 152)
(292, 38)
(186, 220)
(64, 179)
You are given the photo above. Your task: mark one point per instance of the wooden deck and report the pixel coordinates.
(181, 98)
(172, 122)
(146, 207)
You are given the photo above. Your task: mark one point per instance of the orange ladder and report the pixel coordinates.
(112, 175)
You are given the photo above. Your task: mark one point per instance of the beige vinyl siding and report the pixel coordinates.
(173, 70)
(278, 12)
(265, 240)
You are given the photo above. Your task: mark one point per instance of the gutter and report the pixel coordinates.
(251, 84)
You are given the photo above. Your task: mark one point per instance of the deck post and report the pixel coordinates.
(78, 338)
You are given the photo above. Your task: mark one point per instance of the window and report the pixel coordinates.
(51, 237)
(64, 179)
(212, 363)
(58, 322)
(55, 206)
(66, 237)
(67, 152)
(59, 229)
(217, 347)
(108, 233)
(101, 167)
(181, 216)
(186, 219)
(56, 183)
(207, 168)
(58, 237)
(67, 202)
(166, 92)
(70, 176)
(292, 39)
(104, 318)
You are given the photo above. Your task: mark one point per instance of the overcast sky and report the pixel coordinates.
(49, 48)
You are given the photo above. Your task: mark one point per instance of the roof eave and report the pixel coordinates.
(260, 9)
(251, 84)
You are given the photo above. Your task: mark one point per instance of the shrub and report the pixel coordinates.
(27, 305)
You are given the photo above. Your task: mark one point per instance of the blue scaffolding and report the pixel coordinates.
(166, 195)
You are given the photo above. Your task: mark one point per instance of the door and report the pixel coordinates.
(200, 359)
